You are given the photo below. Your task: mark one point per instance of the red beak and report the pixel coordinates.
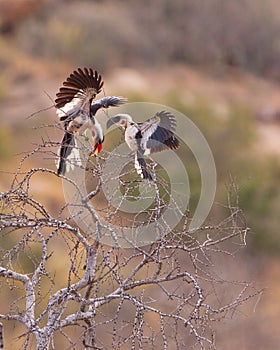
(97, 149)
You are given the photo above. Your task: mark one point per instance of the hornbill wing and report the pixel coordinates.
(141, 166)
(158, 133)
(67, 145)
(106, 102)
(78, 89)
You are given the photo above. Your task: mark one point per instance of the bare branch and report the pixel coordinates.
(160, 295)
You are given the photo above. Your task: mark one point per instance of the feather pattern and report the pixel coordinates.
(154, 135)
(141, 166)
(86, 83)
(67, 144)
(73, 104)
(106, 102)
(158, 133)
(76, 109)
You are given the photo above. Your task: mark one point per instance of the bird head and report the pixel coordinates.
(122, 120)
(98, 138)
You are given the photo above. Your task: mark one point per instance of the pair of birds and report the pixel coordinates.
(76, 108)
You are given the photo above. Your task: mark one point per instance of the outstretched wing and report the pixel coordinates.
(158, 133)
(78, 90)
(106, 102)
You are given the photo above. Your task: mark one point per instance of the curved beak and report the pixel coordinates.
(96, 149)
(112, 121)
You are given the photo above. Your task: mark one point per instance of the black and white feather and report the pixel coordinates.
(154, 135)
(78, 90)
(77, 110)
(106, 102)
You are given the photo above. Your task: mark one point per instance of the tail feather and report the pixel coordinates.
(67, 144)
(141, 166)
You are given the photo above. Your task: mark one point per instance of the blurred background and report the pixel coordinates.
(216, 61)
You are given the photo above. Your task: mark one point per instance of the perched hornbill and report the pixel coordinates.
(154, 135)
(76, 108)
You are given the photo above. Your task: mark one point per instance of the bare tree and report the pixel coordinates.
(66, 288)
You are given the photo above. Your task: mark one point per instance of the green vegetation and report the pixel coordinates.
(257, 177)
(157, 33)
(6, 143)
(212, 34)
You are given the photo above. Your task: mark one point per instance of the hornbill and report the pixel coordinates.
(76, 109)
(154, 135)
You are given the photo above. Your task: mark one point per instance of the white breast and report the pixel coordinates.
(130, 133)
(85, 125)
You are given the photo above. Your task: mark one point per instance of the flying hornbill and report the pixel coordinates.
(154, 135)
(76, 109)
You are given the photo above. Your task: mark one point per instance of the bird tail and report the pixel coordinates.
(141, 166)
(67, 145)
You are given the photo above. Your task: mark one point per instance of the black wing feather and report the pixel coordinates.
(163, 137)
(106, 102)
(77, 81)
(67, 143)
(141, 166)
